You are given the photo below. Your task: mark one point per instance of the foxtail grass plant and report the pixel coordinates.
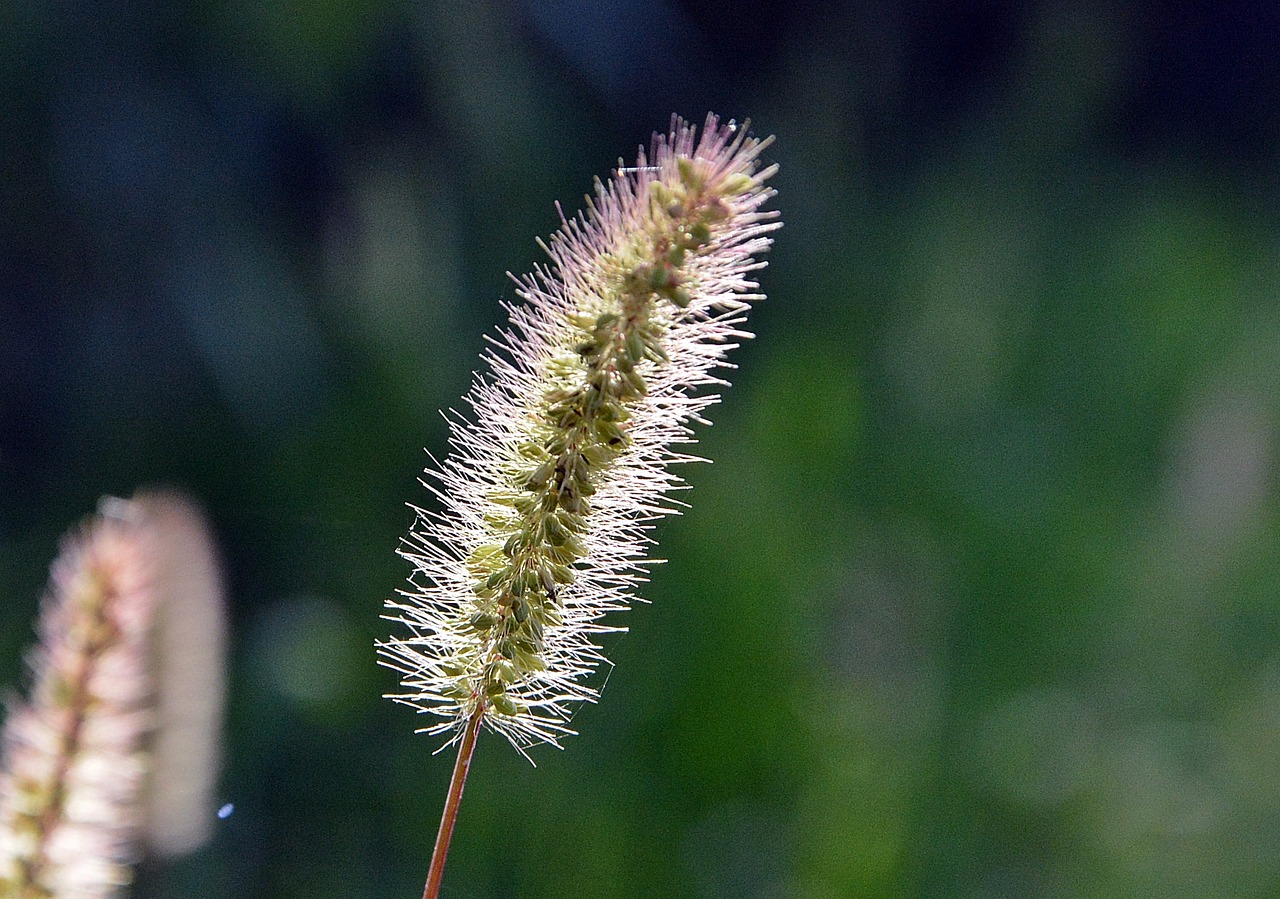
(555, 478)
(117, 743)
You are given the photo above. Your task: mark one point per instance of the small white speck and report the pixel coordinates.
(226, 810)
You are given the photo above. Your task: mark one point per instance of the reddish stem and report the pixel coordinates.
(466, 749)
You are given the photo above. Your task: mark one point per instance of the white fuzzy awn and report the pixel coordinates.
(554, 480)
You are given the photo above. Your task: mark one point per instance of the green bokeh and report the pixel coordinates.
(978, 597)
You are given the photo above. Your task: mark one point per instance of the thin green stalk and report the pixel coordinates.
(466, 749)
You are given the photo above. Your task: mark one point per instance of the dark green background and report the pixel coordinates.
(979, 596)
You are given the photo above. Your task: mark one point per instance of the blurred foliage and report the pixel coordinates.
(979, 596)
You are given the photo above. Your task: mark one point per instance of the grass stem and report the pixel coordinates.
(466, 749)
